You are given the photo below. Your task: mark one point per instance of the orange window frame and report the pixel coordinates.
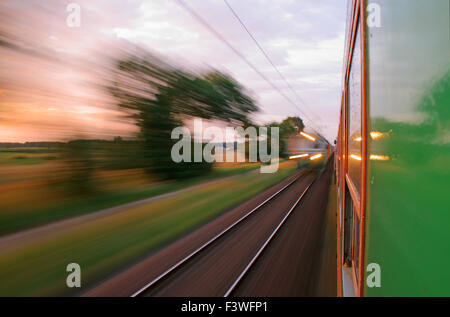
(359, 200)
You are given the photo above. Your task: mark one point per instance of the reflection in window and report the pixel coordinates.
(355, 137)
(348, 228)
(356, 245)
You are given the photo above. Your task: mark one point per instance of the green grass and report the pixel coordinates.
(12, 220)
(35, 150)
(25, 158)
(102, 247)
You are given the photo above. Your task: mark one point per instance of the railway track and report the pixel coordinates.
(214, 261)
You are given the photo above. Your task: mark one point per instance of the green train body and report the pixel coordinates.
(392, 154)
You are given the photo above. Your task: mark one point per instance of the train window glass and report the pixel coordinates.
(348, 228)
(354, 116)
(356, 244)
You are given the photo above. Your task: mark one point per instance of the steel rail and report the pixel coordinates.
(209, 242)
(249, 265)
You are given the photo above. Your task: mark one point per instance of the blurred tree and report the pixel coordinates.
(118, 139)
(291, 125)
(160, 97)
(79, 166)
(287, 127)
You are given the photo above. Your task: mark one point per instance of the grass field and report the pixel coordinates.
(27, 156)
(107, 244)
(33, 203)
(30, 196)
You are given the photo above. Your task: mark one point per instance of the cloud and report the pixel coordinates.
(304, 38)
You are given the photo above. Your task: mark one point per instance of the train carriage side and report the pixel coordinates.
(393, 150)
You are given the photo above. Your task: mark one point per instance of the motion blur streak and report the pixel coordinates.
(315, 157)
(298, 156)
(356, 157)
(86, 116)
(376, 157)
(308, 136)
(375, 135)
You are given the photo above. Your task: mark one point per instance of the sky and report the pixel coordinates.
(51, 74)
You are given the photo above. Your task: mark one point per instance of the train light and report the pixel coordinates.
(376, 157)
(356, 157)
(375, 135)
(309, 137)
(315, 157)
(298, 156)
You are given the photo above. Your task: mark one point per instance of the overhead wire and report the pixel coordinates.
(269, 59)
(205, 24)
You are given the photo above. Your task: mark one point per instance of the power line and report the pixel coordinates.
(231, 47)
(268, 58)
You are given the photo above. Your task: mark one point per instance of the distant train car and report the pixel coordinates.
(307, 149)
(392, 154)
